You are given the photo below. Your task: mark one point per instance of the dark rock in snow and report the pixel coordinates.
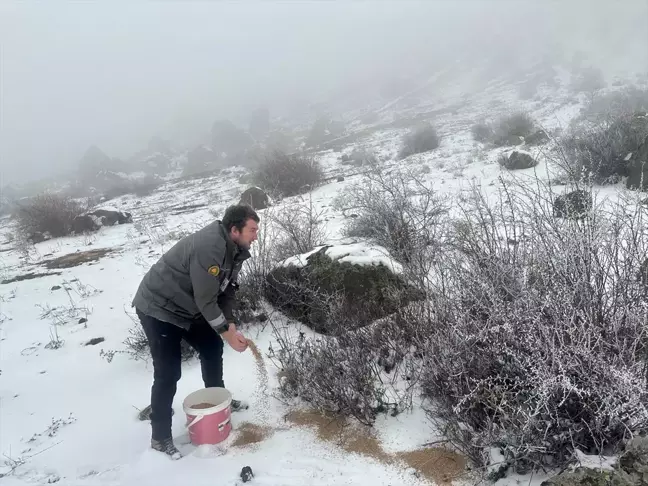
(573, 205)
(111, 218)
(246, 474)
(84, 224)
(256, 198)
(95, 341)
(340, 178)
(360, 294)
(518, 161)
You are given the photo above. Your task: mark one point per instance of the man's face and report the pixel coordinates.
(247, 235)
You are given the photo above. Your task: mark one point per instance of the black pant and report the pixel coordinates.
(164, 340)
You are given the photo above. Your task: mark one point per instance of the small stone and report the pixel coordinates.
(246, 474)
(340, 178)
(95, 341)
(83, 320)
(56, 287)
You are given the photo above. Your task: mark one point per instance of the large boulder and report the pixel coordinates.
(111, 217)
(518, 161)
(573, 205)
(631, 470)
(590, 477)
(638, 168)
(338, 288)
(85, 224)
(255, 197)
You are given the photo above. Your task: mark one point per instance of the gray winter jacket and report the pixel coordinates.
(197, 276)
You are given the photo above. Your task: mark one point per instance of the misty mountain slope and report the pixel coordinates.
(68, 411)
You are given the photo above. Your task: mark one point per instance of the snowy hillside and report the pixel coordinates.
(70, 391)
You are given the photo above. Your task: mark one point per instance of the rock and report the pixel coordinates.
(83, 320)
(634, 460)
(324, 292)
(95, 341)
(340, 178)
(56, 287)
(246, 474)
(518, 161)
(574, 205)
(85, 224)
(256, 198)
(638, 168)
(536, 138)
(38, 237)
(110, 218)
(589, 477)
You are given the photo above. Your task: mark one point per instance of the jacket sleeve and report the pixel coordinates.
(205, 273)
(227, 302)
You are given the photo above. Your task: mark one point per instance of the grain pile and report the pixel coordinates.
(439, 465)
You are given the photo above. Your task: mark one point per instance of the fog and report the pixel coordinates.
(115, 74)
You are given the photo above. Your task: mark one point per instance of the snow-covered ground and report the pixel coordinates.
(68, 411)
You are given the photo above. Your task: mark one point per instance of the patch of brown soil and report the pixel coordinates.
(28, 276)
(78, 258)
(439, 465)
(250, 434)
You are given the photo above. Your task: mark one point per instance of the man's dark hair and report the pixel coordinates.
(238, 215)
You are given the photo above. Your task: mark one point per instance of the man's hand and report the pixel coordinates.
(235, 339)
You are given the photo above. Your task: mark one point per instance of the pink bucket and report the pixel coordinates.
(208, 425)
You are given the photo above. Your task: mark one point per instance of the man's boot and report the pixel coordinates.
(167, 447)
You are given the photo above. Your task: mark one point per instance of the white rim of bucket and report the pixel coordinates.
(207, 395)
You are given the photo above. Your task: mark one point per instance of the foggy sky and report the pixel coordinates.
(116, 73)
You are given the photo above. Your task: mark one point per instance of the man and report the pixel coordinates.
(189, 293)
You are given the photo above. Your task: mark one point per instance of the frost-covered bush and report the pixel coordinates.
(535, 342)
(419, 140)
(509, 129)
(394, 209)
(631, 100)
(482, 132)
(288, 174)
(354, 374)
(600, 151)
(47, 214)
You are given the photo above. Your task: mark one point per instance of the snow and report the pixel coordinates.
(354, 253)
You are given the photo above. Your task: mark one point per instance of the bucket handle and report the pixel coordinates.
(198, 418)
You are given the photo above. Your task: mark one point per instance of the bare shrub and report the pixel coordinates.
(392, 209)
(482, 132)
(617, 103)
(534, 340)
(509, 129)
(598, 151)
(421, 139)
(343, 375)
(288, 174)
(299, 228)
(48, 214)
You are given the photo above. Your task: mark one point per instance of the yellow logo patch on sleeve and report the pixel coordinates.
(214, 270)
